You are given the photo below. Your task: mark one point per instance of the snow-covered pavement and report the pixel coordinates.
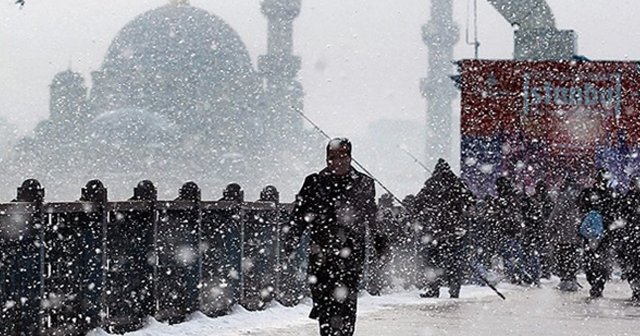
(527, 311)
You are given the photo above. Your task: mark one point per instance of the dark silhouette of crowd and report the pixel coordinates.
(446, 236)
(514, 236)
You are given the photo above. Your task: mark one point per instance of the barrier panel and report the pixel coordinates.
(21, 229)
(73, 270)
(131, 265)
(179, 260)
(259, 258)
(292, 283)
(221, 259)
(21, 253)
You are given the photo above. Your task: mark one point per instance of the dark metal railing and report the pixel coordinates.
(66, 268)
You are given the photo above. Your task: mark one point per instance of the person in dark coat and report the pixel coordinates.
(630, 211)
(504, 217)
(378, 274)
(565, 219)
(536, 211)
(337, 205)
(596, 254)
(442, 203)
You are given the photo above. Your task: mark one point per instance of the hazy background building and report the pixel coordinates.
(177, 98)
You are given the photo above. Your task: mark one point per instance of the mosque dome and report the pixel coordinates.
(182, 62)
(178, 34)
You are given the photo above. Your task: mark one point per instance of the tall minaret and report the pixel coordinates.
(279, 68)
(440, 35)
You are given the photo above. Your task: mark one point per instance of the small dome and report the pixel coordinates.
(131, 127)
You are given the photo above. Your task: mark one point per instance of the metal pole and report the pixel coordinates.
(352, 159)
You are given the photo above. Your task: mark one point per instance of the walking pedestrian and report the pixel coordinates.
(336, 205)
(443, 201)
(599, 201)
(565, 219)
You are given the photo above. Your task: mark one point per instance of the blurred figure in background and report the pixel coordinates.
(442, 203)
(565, 219)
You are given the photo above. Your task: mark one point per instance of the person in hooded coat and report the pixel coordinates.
(597, 264)
(442, 203)
(504, 217)
(337, 205)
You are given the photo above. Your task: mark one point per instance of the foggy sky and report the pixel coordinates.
(362, 60)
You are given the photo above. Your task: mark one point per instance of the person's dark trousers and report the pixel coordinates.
(335, 295)
(596, 266)
(513, 257)
(336, 314)
(532, 265)
(567, 261)
(453, 258)
(444, 264)
(546, 264)
(432, 270)
(633, 272)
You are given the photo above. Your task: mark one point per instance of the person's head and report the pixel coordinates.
(442, 167)
(190, 192)
(503, 186)
(409, 203)
(386, 200)
(634, 184)
(145, 191)
(30, 191)
(94, 191)
(602, 178)
(541, 188)
(339, 156)
(409, 199)
(568, 183)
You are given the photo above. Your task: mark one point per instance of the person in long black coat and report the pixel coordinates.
(536, 211)
(597, 263)
(337, 206)
(504, 217)
(442, 203)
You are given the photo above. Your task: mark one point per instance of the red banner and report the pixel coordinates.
(569, 107)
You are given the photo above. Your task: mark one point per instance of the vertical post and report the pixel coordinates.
(177, 241)
(25, 263)
(132, 262)
(94, 251)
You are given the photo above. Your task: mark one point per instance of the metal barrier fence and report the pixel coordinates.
(66, 268)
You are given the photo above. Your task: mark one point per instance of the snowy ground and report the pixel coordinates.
(278, 317)
(527, 311)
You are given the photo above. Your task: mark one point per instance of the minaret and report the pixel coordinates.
(440, 35)
(279, 68)
(68, 100)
